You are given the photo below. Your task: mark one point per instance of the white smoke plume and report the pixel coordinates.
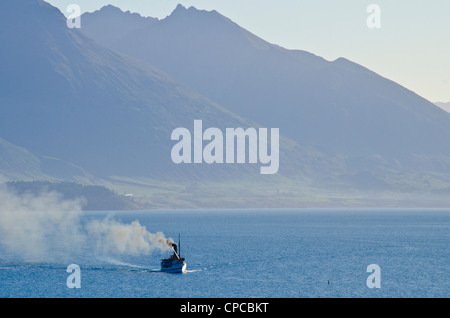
(47, 228)
(113, 237)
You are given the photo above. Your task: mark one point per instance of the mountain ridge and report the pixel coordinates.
(98, 109)
(293, 89)
(348, 135)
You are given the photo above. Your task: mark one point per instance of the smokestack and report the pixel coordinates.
(174, 246)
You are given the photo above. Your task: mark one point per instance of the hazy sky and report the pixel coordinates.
(412, 47)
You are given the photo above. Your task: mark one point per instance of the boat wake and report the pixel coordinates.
(131, 267)
(124, 264)
(193, 270)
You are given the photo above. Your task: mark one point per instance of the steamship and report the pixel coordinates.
(175, 263)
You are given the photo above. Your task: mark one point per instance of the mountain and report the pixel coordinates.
(17, 163)
(72, 109)
(64, 96)
(338, 106)
(110, 23)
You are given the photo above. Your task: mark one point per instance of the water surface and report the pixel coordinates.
(259, 253)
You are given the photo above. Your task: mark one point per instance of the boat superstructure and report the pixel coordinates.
(175, 263)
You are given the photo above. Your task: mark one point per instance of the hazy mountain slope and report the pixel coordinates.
(338, 106)
(65, 96)
(17, 163)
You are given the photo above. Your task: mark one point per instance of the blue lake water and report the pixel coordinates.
(259, 253)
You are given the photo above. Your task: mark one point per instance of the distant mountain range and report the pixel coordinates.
(98, 105)
(67, 97)
(339, 106)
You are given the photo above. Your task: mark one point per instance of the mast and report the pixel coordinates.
(179, 245)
